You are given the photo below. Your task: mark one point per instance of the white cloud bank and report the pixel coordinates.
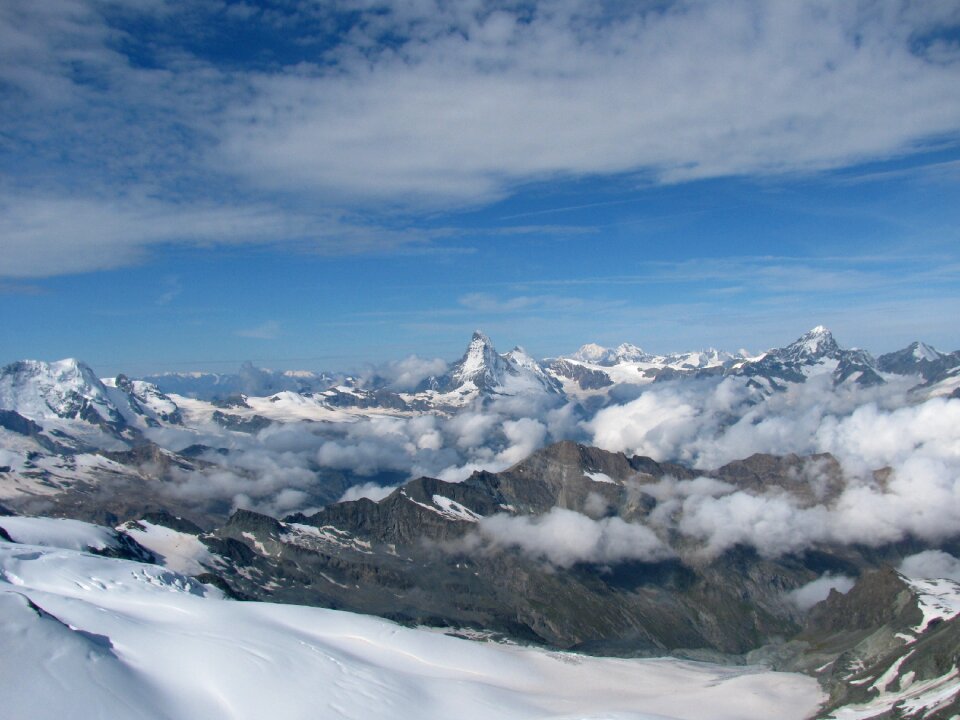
(406, 374)
(430, 104)
(931, 564)
(916, 445)
(479, 98)
(275, 470)
(813, 592)
(564, 538)
(708, 424)
(915, 448)
(46, 235)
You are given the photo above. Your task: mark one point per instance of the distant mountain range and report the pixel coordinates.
(75, 408)
(57, 419)
(814, 353)
(483, 370)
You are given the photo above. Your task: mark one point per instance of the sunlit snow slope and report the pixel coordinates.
(85, 636)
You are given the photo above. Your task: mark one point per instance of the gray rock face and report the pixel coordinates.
(916, 359)
(880, 598)
(920, 359)
(878, 656)
(362, 399)
(15, 422)
(587, 378)
(811, 479)
(174, 522)
(228, 421)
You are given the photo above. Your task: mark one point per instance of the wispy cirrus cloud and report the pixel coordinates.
(172, 288)
(489, 303)
(813, 272)
(269, 330)
(46, 235)
(13, 288)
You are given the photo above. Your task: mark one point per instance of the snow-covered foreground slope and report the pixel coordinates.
(90, 637)
(59, 533)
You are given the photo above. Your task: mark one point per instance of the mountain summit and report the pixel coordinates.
(482, 369)
(480, 365)
(67, 397)
(813, 353)
(65, 390)
(812, 346)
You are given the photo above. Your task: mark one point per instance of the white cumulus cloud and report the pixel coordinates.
(564, 538)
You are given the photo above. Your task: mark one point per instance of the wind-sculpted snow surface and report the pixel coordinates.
(60, 533)
(85, 636)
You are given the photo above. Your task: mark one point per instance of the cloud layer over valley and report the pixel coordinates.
(896, 472)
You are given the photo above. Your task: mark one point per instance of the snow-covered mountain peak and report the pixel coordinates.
(814, 345)
(813, 353)
(520, 357)
(68, 371)
(933, 366)
(67, 397)
(144, 399)
(67, 389)
(594, 354)
(483, 368)
(525, 374)
(699, 359)
(479, 340)
(922, 351)
(627, 352)
(480, 364)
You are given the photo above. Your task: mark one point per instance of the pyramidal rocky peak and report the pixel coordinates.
(922, 351)
(69, 390)
(480, 364)
(816, 344)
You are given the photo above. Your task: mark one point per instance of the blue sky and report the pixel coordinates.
(320, 185)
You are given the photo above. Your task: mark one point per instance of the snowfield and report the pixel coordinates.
(85, 636)
(60, 533)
